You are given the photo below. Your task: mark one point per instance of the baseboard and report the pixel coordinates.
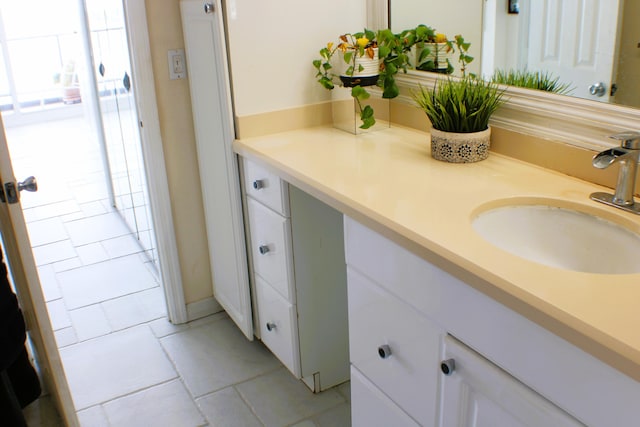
(204, 307)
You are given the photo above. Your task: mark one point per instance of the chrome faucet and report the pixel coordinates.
(628, 155)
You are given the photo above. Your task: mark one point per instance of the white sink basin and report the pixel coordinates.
(562, 238)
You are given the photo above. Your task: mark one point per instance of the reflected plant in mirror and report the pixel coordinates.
(369, 58)
(546, 37)
(539, 80)
(433, 51)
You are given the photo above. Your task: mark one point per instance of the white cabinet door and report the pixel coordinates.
(476, 393)
(371, 408)
(219, 178)
(394, 346)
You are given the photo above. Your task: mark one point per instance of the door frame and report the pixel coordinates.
(153, 156)
(14, 229)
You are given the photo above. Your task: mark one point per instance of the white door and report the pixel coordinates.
(24, 273)
(209, 82)
(576, 41)
(477, 393)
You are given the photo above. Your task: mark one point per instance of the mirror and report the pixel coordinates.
(593, 46)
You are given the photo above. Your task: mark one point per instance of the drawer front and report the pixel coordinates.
(278, 328)
(399, 271)
(271, 247)
(372, 408)
(266, 187)
(407, 369)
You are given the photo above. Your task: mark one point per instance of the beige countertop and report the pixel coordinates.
(388, 181)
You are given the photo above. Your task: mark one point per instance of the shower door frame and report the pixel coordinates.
(153, 156)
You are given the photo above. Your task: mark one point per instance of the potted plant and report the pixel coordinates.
(68, 80)
(436, 52)
(351, 63)
(357, 66)
(459, 111)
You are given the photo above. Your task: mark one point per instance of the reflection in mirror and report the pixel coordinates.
(593, 47)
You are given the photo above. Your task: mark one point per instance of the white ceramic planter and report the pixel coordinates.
(460, 147)
(437, 53)
(368, 76)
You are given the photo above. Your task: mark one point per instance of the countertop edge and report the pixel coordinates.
(607, 349)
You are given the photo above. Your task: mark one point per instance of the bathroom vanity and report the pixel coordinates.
(445, 328)
(298, 277)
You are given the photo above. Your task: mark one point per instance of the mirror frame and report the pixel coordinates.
(575, 121)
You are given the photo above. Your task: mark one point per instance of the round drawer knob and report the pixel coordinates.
(263, 249)
(448, 366)
(271, 326)
(384, 351)
(258, 184)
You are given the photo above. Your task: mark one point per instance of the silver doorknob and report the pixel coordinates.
(263, 249)
(258, 184)
(208, 8)
(11, 191)
(598, 89)
(448, 366)
(271, 326)
(29, 184)
(384, 351)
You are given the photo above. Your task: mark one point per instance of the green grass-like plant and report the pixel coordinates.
(540, 80)
(460, 105)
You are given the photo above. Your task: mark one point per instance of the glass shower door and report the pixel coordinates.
(120, 119)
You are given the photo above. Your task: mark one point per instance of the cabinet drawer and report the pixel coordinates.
(393, 267)
(266, 187)
(278, 328)
(371, 408)
(409, 375)
(271, 247)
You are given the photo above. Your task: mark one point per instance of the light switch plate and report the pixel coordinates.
(177, 64)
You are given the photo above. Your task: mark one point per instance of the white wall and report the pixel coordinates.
(272, 46)
(509, 43)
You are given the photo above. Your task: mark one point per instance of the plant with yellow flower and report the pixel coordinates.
(354, 50)
(371, 59)
(357, 66)
(434, 51)
(368, 58)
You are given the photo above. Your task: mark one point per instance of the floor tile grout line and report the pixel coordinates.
(92, 264)
(177, 377)
(180, 377)
(108, 333)
(111, 299)
(246, 402)
(267, 372)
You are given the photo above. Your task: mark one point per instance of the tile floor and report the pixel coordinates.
(125, 363)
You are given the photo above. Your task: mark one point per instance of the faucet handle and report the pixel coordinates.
(629, 139)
